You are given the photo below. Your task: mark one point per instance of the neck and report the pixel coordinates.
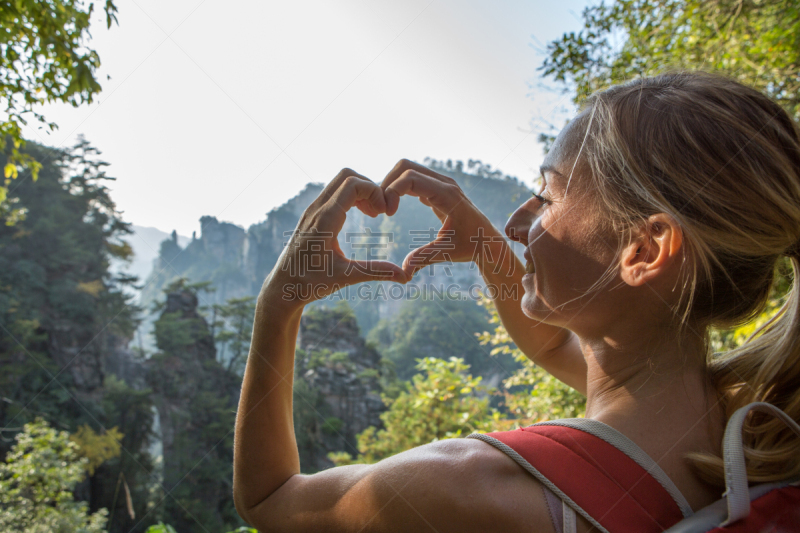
(643, 382)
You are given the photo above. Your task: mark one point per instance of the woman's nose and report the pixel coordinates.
(519, 224)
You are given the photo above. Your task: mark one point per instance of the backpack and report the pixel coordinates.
(606, 478)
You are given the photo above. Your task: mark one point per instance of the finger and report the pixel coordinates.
(402, 166)
(366, 207)
(352, 190)
(438, 194)
(336, 183)
(359, 191)
(439, 250)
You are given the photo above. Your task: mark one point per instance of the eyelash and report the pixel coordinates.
(542, 199)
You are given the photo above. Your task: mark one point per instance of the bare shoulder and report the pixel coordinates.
(452, 485)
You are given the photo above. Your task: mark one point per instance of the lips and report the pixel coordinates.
(529, 268)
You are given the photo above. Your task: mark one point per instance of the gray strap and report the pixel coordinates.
(713, 515)
(629, 448)
(570, 519)
(737, 492)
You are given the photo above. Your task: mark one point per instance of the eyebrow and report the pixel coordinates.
(551, 169)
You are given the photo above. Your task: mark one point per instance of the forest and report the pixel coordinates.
(118, 395)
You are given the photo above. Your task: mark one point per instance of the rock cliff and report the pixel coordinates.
(339, 384)
(237, 261)
(196, 401)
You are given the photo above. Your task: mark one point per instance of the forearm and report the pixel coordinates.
(540, 342)
(265, 450)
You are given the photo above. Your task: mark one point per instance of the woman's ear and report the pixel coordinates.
(653, 250)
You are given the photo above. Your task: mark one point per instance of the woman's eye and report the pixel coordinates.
(543, 199)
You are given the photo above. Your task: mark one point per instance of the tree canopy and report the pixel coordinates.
(757, 42)
(44, 58)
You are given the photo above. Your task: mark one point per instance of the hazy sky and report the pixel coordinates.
(227, 108)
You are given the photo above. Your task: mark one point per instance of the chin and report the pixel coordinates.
(532, 307)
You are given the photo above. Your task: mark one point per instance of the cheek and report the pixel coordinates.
(569, 260)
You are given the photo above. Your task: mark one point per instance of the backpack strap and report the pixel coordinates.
(737, 491)
(632, 450)
(599, 481)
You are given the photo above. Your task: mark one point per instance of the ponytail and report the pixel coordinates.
(765, 368)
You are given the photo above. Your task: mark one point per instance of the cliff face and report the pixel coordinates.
(234, 260)
(265, 240)
(222, 241)
(338, 395)
(196, 400)
(237, 262)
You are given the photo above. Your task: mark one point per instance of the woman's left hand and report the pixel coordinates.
(312, 265)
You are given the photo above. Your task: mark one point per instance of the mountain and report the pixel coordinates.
(236, 261)
(145, 242)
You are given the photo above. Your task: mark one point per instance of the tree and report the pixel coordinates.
(757, 42)
(196, 399)
(44, 58)
(166, 528)
(435, 327)
(57, 294)
(236, 328)
(65, 321)
(442, 401)
(36, 484)
(97, 448)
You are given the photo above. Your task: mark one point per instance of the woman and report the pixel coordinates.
(667, 203)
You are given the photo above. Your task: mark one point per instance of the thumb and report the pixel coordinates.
(436, 251)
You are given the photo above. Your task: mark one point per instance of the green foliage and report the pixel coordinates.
(44, 59)
(436, 328)
(97, 448)
(37, 481)
(63, 314)
(166, 528)
(309, 412)
(57, 295)
(131, 410)
(723, 340)
(756, 42)
(161, 528)
(443, 401)
(531, 394)
(196, 398)
(233, 327)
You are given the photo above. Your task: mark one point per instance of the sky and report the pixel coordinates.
(228, 108)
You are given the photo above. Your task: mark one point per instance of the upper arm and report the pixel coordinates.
(453, 485)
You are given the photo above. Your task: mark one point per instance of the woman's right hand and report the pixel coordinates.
(466, 233)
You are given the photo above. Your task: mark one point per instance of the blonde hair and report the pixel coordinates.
(724, 161)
